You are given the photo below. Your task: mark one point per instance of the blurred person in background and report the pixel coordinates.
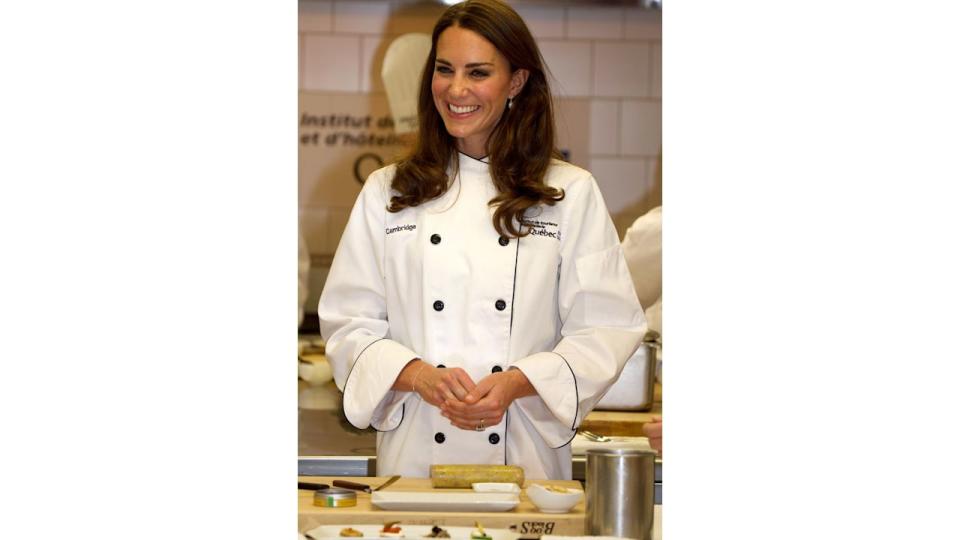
(479, 305)
(643, 249)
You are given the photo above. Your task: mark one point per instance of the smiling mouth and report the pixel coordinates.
(462, 110)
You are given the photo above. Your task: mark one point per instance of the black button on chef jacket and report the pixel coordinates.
(438, 305)
(501, 305)
(439, 437)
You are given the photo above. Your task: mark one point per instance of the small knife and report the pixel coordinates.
(392, 479)
(363, 487)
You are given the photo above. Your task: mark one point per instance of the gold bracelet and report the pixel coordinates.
(413, 386)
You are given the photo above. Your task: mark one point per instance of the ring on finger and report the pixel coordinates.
(480, 425)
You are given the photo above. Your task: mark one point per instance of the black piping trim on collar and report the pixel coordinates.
(481, 160)
(357, 359)
(577, 390)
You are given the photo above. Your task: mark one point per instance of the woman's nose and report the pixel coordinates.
(458, 87)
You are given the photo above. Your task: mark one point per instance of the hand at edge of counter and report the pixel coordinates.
(487, 403)
(653, 431)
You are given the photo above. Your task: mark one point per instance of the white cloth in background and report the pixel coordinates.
(643, 249)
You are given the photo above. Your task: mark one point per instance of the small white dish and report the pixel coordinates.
(496, 487)
(553, 502)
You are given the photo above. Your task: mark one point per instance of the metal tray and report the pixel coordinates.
(633, 390)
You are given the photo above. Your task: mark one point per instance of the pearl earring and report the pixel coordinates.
(509, 102)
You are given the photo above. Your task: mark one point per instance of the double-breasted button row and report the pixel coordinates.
(499, 304)
(435, 239)
(494, 438)
(496, 369)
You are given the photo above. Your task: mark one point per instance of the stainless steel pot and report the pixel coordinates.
(634, 388)
(619, 485)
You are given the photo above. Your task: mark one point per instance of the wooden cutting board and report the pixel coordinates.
(524, 519)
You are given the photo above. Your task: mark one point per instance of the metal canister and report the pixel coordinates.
(335, 497)
(619, 485)
(639, 370)
(652, 343)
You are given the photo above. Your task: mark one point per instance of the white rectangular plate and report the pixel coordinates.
(456, 501)
(496, 487)
(408, 531)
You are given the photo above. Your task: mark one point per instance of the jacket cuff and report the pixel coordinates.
(367, 396)
(555, 410)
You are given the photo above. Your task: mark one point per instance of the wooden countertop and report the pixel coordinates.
(525, 518)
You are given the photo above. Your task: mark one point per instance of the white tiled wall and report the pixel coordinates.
(639, 128)
(316, 17)
(595, 22)
(371, 58)
(606, 67)
(544, 22)
(360, 17)
(621, 69)
(655, 72)
(570, 65)
(324, 71)
(604, 127)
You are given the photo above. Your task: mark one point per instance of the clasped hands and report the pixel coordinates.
(468, 405)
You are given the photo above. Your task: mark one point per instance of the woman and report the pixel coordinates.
(478, 305)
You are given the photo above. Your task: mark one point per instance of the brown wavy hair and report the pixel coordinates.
(521, 145)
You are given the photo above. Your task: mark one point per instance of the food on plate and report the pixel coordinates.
(464, 476)
(479, 534)
(391, 530)
(437, 532)
(350, 532)
(557, 489)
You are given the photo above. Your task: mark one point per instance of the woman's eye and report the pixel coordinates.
(443, 69)
(478, 73)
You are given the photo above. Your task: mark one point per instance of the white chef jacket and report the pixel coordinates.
(642, 249)
(437, 282)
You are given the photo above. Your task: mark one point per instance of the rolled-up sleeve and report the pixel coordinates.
(602, 322)
(353, 316)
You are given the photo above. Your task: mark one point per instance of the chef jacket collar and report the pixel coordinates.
(469, 164)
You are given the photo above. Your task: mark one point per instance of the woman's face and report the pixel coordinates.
(471, 84)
